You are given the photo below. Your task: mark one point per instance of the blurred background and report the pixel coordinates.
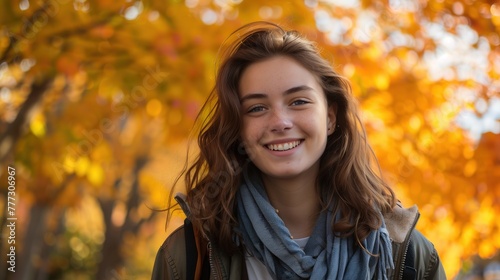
(98, 100)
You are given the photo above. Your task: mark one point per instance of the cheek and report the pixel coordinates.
(249, 133)
(250, 139)
(250, 142)
(316, 123)
(246, 140)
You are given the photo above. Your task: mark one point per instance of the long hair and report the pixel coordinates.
(346, 177)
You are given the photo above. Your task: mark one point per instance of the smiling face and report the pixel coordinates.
(285, 117)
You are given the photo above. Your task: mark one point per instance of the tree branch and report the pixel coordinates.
(9, 137)
(14, 39)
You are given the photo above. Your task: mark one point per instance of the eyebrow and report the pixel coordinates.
(286, 92)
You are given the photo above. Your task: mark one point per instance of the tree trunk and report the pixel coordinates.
(111, 248)
(42, 272)
(32, 243)
(112, 256)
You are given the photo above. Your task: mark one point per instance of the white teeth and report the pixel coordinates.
(283, 147)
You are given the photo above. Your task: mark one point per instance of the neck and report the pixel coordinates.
(296, 201)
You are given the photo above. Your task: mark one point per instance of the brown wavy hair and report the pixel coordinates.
(346, 177)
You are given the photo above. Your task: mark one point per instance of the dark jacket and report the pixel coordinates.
(408, 245)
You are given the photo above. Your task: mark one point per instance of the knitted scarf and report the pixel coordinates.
(325, 255)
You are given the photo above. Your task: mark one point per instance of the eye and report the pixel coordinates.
(256, 108)
(299, 102)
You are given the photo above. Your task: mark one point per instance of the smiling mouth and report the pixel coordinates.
(283, 146)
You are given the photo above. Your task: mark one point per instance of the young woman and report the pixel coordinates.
(283, 186)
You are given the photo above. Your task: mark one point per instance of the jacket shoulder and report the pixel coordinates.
(170, 260)
(426, 258)
(401, 224)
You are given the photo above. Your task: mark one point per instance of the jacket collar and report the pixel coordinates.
(401, 221)
(181, 199)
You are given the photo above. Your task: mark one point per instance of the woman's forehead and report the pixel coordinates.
(279, 73)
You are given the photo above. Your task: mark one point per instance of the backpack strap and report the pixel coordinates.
(409, 271)
(197, 262)
(191, 251)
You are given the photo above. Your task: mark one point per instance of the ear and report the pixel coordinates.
(332, 118)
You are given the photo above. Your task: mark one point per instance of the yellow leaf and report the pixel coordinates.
(95, 174)
(372, 53)
(415, 123)
(69, 164)
(37, 125)
(81, 166)
(382, 81)
(486, 250)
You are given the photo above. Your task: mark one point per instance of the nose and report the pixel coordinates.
(280, 121)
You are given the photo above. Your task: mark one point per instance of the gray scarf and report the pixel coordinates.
(325, 256)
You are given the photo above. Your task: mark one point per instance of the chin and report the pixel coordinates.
(283, 173)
